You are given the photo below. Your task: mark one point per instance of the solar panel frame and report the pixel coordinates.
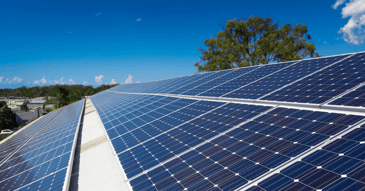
(283, 68)
(318, 106)
(304, 77)
(36, 164)
(31, 127)
(303, 155)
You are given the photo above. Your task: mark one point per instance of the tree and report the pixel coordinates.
(24, 106)
(253, 42)
(62, 96)
(7, 118)
(2, 104)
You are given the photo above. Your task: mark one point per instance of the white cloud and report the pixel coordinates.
(59, 81)
(338, 3)
(325, 42)
(113, 82)
(98, 14)
(354, 31)
(139, 19)
(129, 79)
(70, 81)
(84, 82)
(17, 79)
(1, 78)
(99, 79)
(40, 81)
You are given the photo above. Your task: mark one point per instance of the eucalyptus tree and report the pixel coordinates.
(255, 41)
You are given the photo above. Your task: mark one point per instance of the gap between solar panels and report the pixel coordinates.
(130, 120)
(339, 109)
(313, 149)
(200, 144)
(306, 76)
(302, 155)
(20, 146)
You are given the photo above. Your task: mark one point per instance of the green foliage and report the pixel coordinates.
(253, 42)
(7, 118)
(24, 106)
(44, 91)
(64, 94)
(2, 104)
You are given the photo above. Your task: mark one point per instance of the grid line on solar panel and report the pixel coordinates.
(200, 82)
(282, 78)
(157, 120)
(290, 166)
(14, 142)
(204, 112)
(325, 84)
(47, 152)
(147, 108)
(225, 110)
(137, 117)
(235, 75)
(314, 72)
(352, 97)
(188, 80)
(162, 101)
(244, 79)
(225, 131)
(201, 89)
(166, 132)
(109, 126)
(263, 72)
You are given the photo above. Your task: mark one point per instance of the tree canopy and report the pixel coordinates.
(255, 41)
(37, 91)
(7, 118)
(64, 94)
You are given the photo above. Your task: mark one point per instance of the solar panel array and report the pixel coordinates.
(43, 160)
(20, 138)
(205, 131)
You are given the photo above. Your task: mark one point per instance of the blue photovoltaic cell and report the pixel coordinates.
(326, 84)
(182, 138)
(202, 81)
(281, 78)
(244, 79)
(202, 89)
(167, 143)
(14, 142)
(354, 98)
(149, 145)
(337, 166)
(42, 162)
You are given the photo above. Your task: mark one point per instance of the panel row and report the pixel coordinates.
(177, 144)
(42, 162)
(308, 81)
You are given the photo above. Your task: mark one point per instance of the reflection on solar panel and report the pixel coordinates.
(215, 137)
(42, 162)
(289, 126)
(18, 139)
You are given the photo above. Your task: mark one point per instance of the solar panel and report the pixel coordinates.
(209, 77)
(228, 89)
(15, 141)
(338, 165)
(255, 128)
(42, 163)
(326, 84)
(283, 77)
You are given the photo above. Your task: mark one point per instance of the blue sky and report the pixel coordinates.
(93, 42)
